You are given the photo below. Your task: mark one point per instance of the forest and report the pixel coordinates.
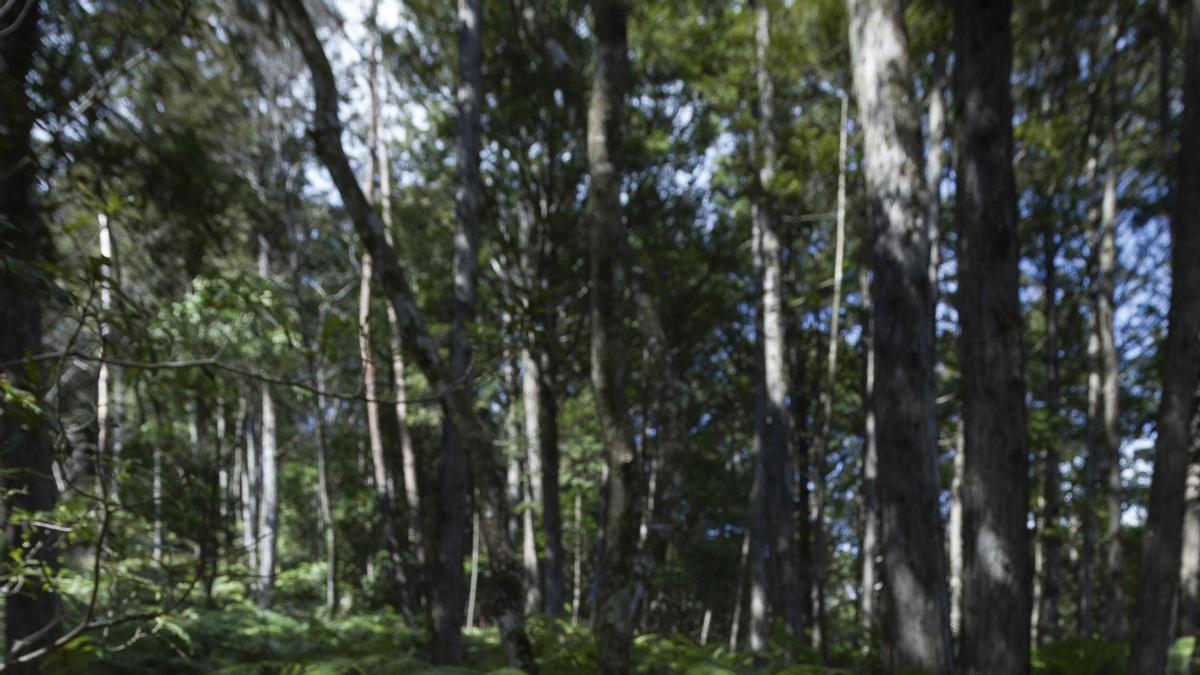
(613, 336)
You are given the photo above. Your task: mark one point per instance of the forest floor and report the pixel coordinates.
(238, 638)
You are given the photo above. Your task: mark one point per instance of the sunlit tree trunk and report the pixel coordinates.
(916, 628)
(1189, 567)
(1181, 375)
(870, 552)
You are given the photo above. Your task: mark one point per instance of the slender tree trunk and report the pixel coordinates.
(735, 621)
(1181, 375)
(474, 583)
(250, 481)
(868, 612)
(268, 516)
(385, 498)
(30, 611)
(759, 530)
(1114, 627)
(916, 631)
(458, 400)
(412, 493)
(820, 630)
(577, 560)
(552, 550)
(1086, 602)
(996, 571)
(1050, 546)
(324, 496)
(1189, 567)
(107, 383)
(523, 485)
(956, 530)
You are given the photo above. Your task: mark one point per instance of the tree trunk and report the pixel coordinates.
(250, 481)
(619, 591)
(956, 531)
(1181, 374)
(776, 450)
(1086, 602)
(30, 612)
(735, 621)
(577, 560)
(452, 477)
(996, 564)
(820, 630)
(1189, 567)
(1050, 537)
(458, 401)
(1104, 293)
(916, 631)
(474, 583)
(412, 492)
(268, 515)
(108, 384)
(324, 497)
(759, 511)
(870, 558)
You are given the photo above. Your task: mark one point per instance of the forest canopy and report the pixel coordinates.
(617, 336)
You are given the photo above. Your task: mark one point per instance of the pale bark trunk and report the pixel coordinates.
(25, 452)
(819, 632)
(458, 401)
(523, 487)
(1181, 374)
(250, 492)
(324, 498)
(1189, 567)
(916, 630)
(268, 515)
(956, 531)
(619, 591)
(996, 553)
(1086, 602)
(474, 583)
(385, 498)
(108, 387)
(759, 511)
(735, 621)
(1114, 627)
(704, 625)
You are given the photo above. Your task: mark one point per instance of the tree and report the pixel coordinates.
(619, 591)
(457, 403)
(916, 626)
(32, 612)
(1181, 375)
(996, 571)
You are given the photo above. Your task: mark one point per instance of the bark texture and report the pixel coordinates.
(916, 631)
(996, 550)
(457, 402)
(1181, 375)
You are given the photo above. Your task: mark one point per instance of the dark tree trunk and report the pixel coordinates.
(916, 628)
(996, 553)
(458, 402)
(1181, 375)
(31, 614)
